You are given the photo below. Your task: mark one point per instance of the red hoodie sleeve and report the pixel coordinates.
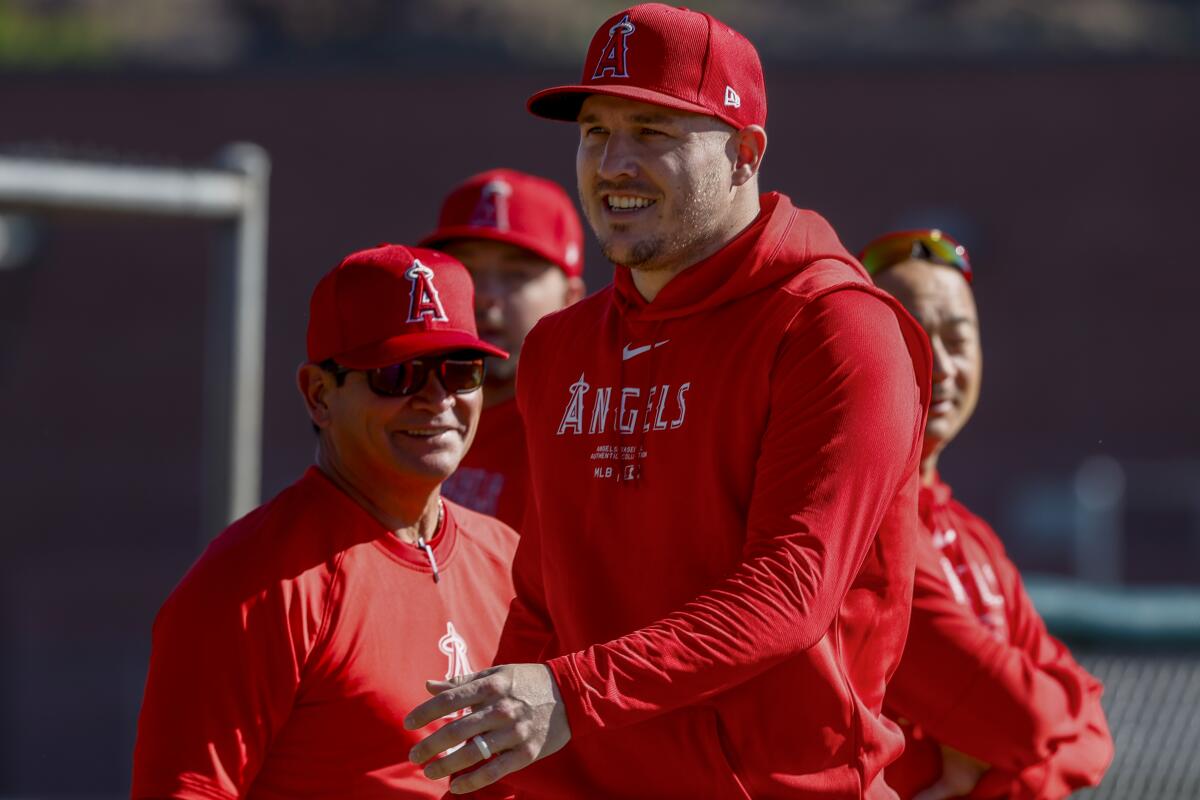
(527, 633)
(1024, 706)
(842, 435)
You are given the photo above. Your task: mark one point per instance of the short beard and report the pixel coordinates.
(699, 218)
(645, 255)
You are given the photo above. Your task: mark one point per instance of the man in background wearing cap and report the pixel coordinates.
(284, 661)
(521, 240)
(723, 448)
(993, 705)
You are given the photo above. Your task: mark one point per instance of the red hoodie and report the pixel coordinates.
(981, 674)
(493, 477)
(718, 565)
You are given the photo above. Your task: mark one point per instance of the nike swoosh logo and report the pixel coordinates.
(630, 352)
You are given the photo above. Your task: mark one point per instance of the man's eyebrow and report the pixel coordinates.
(651, 119)
(959, 320)
(640, 119)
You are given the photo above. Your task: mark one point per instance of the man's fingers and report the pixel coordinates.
(469, 755)
(507, 762)
(477, 692)
(455, 733)
(439, 686)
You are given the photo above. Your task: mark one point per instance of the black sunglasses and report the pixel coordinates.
(459, 373)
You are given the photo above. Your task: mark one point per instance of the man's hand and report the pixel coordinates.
(517, 710)
(960, 773)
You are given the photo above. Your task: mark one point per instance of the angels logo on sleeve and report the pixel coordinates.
(424, 301)
(612, 58)
(492, 209)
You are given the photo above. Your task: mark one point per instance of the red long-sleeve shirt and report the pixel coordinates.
(284, 662)
(981, 674)
(718, 566)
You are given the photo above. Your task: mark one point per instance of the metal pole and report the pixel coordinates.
(61, 184)
(235, 195)
(236, 349)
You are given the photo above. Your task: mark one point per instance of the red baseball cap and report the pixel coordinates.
(514, 207)
(673, 57)
(392, 303)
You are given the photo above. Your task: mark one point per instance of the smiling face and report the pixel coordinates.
(940, 299)
(658, 186)
(380, 442)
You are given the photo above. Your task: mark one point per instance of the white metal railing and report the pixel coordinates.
(233, 193)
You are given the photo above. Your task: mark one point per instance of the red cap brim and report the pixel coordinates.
(563, 102)
(413, 345)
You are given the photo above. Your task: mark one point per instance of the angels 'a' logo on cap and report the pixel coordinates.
(424, 301)
(612, 57)
(492, 209)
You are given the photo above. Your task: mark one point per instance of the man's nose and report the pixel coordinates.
(943, 366)
(617, 160)
(433, 395)
(489, 289)
(489, 300)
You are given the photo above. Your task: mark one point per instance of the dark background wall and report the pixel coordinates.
(1075, 188)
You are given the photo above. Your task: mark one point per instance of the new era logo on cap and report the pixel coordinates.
(731, 98)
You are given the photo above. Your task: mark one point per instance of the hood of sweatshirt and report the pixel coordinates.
(781, 242)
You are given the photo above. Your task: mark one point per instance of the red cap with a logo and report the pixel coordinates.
(673, 57)
(514, 207)
(392, 303)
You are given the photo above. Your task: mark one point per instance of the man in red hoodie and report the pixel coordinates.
(993, 705)
(715, 584)
(521, 240)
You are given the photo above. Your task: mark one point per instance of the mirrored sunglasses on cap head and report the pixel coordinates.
(926, 244)
(460, 372)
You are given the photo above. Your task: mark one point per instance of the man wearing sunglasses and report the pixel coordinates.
(283, 663)
(991, 704)
(521, 240)
(723, 446)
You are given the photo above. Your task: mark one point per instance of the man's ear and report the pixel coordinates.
(315, 384)
(575, 290)
(749, 146)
